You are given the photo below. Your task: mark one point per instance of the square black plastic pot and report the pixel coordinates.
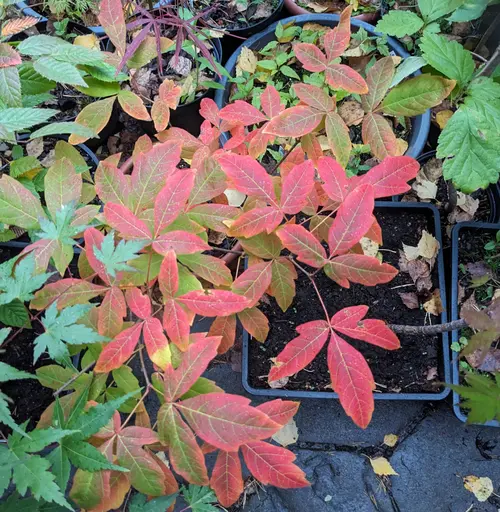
(455, 373)
(378, 396)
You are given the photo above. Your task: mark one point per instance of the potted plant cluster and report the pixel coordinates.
(279, 213)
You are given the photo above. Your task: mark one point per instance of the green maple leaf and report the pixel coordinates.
(18, 281)
(60, 228)
(114, 258)
(200, 499)
(61, 328)
(139, 503)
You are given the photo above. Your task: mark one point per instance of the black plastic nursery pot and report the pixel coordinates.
(420, 124)
(417, 348)
(457, 233)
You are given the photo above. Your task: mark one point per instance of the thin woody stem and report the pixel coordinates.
(295, 144)
(70, 381)
(428, 329)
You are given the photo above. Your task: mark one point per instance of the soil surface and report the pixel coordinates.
(405, 370)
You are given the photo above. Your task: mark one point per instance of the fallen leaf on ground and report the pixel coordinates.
(425, 189)
(428, 246)
(280, 383)
(351, 112)
(432, 373)
(35, 147)
(443, 117)
(432, 170)
(411, 252)
(467, 203)
(434, 306)
(288, 434)
(90, 41)
(489, 363)
(481, 487)
(234, 197)
(382, 467)
(247, 61)
(420, 273)
(409, 299)
(370, 248)
(390, 440)
(401, 146)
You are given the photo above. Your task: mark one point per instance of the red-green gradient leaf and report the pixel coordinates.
(255, 323)
(353, 220)
(391, 176)
(95, 116)
(112, 311)
(310, 56)
(181, 242)
(337, 40)
(242, 112)
(8, 56)
(111, 184)
(111, 17)
(156, 343)
(300, 351)
(352, 379)
(185, 455)
(172, 198)
(375, 232)
(214, 302)
(226, 421)
(258, 143)
(210, 268)
(378, 134)
(362, 269)
(279, 410)
(168, 278)
(226, 479)
(225, 327)
(253, 282)
(210, 111)
(270, 100)
(212, 215)
(160, 113)
(375, 332)
(193, 363)
(256, 221)
(340, 76)
(209, 181)
(294, 122)
(335, 182)
(297, 186)
(338, 136)
(273, 465)
(282, 286)
(93, 238)
(302, 243)
(378, 79)
(125, 222)
(314, 96)
(133, 105)
(116, 352)
(310, 145)
(248, 176)
(176, 323)
(67, 292)
(138, 303)
(62, 185)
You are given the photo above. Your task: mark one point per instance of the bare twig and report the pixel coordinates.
(428, 329)
(70, 381)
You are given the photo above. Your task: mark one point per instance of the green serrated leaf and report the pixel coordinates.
(14, 119)
(469, 10)
(484, 88)
(36, 46)
(6, 419)
(10, 86)
(200, 499)
(407, 67)
(400, 23)
(63, 127)
(139, 503)
(105, 72)
(85, 456)
(33, 100)
(24, 165)
(8, 372)
(61, 72)
(32, 83)
(432, 10)
(15, 314)
(98, 88)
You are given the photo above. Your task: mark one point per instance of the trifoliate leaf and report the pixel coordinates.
(400, 23)
(116, 258)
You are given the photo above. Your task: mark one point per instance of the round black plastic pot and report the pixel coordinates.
(420, 124)
(28, 11)
(445, 362)
(455, 335)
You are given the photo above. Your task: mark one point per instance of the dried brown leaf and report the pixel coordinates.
(434, 306)
(409, 299)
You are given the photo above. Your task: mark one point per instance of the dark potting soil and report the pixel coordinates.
(404, 370)
(88, 19)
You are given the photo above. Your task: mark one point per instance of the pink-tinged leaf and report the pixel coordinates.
(314, 96)
(254, 282)
(133, 105)
(242, 112)
(156, 343)
(112, 18)
(375, 232)
(378, 134)
(352, 379)
(210, 111)
(248, 176)
(95, 115)
(282, 286)
(172, 198)
(181, 242)
(150, 171)
(391, 176)
(168, 278)
(184, 453)
(310, 56)
(8, 56)
(170, 93)
(176, 323)
(225, 327)
(273, 465)
(353, 220)
(348, 317)
(125, 222)
(85, 215)
(111, 185)
(210, 268)
(338, 136)
(42, 251)
(259, 142)
(62, 185)
(168, 98)
(337, 40)
(67, 292)
(214, 302)
(226, 421)
(294, 122)
(311, 147)
(212, 216)
(238, 137)
(189, 143)
(279, 410)
(209, 181)
(362, 269)
(226, 479)
(160, 113)
(138, 303)
(255, 323)
(300, 351)
(112, 311)
(340, 76)
(302, 243)
(256, 221)
(93, 239)
(375, 332)
(378, 79)
(142, 145)
(335, 182)
(296, 187)
(138, 436)
(271, 102)
(193, 363)
(116, 352)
